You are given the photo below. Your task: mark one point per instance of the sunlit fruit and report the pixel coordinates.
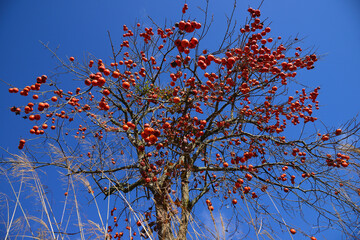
(126, 85)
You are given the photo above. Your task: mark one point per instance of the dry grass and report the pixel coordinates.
(30, 214)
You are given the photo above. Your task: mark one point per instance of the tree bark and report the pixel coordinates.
(162, 207)
(186, 205)
(163, 222)
(184, 222)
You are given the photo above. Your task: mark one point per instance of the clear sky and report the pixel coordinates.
(332, 27)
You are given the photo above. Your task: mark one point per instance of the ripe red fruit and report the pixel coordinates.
(225, 164)
(325, 137)
(293, 231)
(153, 138)
(131, 125)
(181, 25)
(234, 201)
(338, 131)
(194, 41)
(21, 144)
(87, 82)
(71, 59)
(313, 238)
(106, 92)
(185, 43)
(54, 99)
(126, 85)
(106, 72)
(101, 81)
(148, 131)
(231, 60)
(166, 125)
(115, 74)
(13, 90)
(188, 27)
(176, 99)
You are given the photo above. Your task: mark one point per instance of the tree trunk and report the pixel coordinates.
(183, 228)
(163, 220)
(162, 207)
(164, 212)
(186, 206)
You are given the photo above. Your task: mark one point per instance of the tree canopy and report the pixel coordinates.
(165, 127)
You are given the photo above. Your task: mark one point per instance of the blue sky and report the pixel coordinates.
(332, 27)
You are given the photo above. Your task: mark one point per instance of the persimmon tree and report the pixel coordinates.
(166, 125)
